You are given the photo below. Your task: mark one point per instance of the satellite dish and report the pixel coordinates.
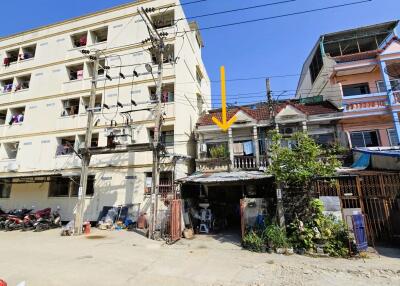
(393, 70)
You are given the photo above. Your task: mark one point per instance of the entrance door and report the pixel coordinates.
(175, 220)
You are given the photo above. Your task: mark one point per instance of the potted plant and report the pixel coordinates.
(276, 238)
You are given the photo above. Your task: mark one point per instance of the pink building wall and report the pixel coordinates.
(371, 78)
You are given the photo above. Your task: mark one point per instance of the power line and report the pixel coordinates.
(236, 10)
(282, 15)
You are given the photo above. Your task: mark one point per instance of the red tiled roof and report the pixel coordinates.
(261, 112)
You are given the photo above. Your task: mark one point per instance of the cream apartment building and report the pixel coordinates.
(44, 91)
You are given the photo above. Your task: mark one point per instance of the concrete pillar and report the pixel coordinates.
(256, 145)
(386, 80)
(304, 126)
(230, 143)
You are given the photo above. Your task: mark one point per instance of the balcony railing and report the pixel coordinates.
(244, 162)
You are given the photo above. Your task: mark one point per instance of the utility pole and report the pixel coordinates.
(279, 205)
(80, 208)
(159, 48)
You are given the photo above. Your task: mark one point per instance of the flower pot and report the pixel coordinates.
(263, 248)
(301, 251)
(289, 251)
(280, 250)
(270, 250)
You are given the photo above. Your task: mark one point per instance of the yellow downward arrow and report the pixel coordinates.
(224, 125)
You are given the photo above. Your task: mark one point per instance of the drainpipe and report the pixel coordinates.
(390, 97)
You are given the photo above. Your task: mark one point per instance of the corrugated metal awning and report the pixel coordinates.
(224, 177)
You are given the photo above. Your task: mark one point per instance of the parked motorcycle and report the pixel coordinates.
(54, 221)
(16, 221)
(32, 218)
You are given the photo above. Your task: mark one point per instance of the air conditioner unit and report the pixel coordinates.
(12, 166)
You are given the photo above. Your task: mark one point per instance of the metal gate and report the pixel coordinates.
(175, 220)
(376, 194)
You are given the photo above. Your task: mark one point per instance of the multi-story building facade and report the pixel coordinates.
(358, 70)
(44, 92)
(247, 141)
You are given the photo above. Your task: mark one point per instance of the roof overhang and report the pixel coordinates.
(351, 68)
(224, 177)
(28, 177)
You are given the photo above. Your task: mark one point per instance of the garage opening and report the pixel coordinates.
(217, 209)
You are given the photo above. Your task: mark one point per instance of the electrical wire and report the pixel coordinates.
(282, 15)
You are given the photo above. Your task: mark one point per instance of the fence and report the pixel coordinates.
(376, 194)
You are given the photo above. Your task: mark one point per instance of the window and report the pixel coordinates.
(7, 85)
(200, 103)
(12, 55)
(169, 53)
(79, 40)
(69, 186)
(3, 116)
(11, 149)
(356, 89)
(97, 103)
(94, 142)
(70, 107)
(395, 85)
(167, 137)
(167, 93)
(23, 82)
(90, 66)
(316, 65)
(17, 115)
(65, 146)
(199, 75)
(5, 188)
(99, 36)
(75, 183)
(394, 140)
(75, 72)
(165, 186)
(364, 139)
(59, 187)
(28, 52)
(163, 20)
(324, 140)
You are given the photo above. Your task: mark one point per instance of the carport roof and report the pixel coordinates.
(224, 177)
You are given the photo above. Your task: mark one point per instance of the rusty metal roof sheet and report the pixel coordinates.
(224, 177)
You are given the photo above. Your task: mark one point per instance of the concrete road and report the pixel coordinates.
(125, 258)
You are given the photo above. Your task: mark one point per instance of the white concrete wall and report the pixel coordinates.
(50, 85)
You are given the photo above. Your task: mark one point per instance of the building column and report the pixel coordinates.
(386, 80)
(256, 146)
(230, 144)
(304, 126)
(200, 142)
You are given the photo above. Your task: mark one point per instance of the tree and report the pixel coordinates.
(297, 166)
(294, 169)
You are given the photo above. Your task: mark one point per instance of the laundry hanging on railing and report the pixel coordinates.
(238, 149)
(248, 148)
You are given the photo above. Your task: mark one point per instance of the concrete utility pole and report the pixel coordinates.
(159, 48)
(279, 206)
(80, 208)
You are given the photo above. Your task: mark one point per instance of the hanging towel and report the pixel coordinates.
(248, 147)
(238, 149)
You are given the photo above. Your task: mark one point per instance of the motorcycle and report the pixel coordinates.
(32, 218)
(54, 221)
(16, 221)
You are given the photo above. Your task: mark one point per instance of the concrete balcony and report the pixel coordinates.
(225, 165)
(76, 85)
(365, 102)
(9, 165)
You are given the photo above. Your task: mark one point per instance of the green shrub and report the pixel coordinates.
(219, 151)
(275, 237)
(318, 228)
(253, 242)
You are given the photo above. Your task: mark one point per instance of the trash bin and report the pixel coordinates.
(86, 227)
